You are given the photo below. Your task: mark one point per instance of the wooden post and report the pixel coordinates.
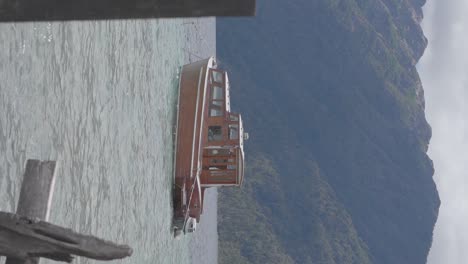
(36, 195)
(50, 10)
(37, 189)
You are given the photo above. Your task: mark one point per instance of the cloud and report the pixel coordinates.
(444, 73)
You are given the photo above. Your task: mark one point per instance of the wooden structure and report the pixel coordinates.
(36, 194)
(209, 139)
(24, 239)
(37, 189)
(52, 10)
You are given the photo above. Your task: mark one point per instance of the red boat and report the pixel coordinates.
(209, 150)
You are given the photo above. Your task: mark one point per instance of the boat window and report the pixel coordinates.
(217, 93)
(217, 76)
(231, 167)
(222, 179)
(221, 160)
(221, 152)
(218, 167)
(213, 152)
(233, 131)
(215, 133)
(216, 108)
(234, 118)
(218, 160)
(217, 172)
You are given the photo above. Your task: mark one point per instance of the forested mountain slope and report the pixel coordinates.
(337, 170)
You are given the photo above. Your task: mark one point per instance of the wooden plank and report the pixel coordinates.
(36, 195)
(53, 10)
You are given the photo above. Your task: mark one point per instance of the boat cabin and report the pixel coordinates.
(223, 152)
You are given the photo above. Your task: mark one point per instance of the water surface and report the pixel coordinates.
(99, 97)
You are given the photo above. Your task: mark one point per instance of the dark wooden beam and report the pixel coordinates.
(52, 10)
(22, 238)
(25, 239)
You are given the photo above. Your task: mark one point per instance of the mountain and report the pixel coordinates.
(337, 170)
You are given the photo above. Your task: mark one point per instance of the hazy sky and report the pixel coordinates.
(444, 73)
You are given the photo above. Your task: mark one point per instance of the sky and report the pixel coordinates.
(444, 74)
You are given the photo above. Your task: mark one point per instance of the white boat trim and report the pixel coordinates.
(218, 185)
(195, 122)
(210, 63)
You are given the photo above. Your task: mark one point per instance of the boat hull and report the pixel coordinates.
(189, 141)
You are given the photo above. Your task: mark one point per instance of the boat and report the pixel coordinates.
(209, 141)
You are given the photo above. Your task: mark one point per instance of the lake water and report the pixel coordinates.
(100, 97)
